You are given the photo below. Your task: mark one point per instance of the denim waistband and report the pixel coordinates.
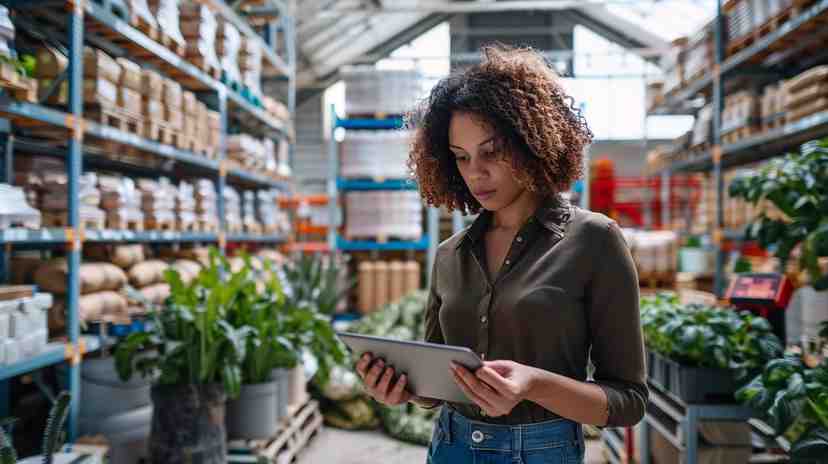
(516, 438)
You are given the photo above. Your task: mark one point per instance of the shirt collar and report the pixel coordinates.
(553, 214)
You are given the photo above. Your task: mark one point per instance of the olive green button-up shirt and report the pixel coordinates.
(566, 294)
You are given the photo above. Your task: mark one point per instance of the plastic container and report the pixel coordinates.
(692, 384)
(253, 414)
(127, 434)
(14, 210)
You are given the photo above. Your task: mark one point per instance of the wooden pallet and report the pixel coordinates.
(140, 23)
(773, 122)
(152, 224)
(160, 132)
(117, 118)
(235, 228)
(122, 224)
(167, 41)
(191, 226)
(61, 220)
(253, 228)
(739, 134)
(201, 63)
(293, 436)
(205, 226)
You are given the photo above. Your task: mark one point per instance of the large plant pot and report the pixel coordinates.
(188, 424)
(282, 378)
(692, 384)
(99, 379)
(63, 458)
(814, 311)
(298, 386)
(253, 413)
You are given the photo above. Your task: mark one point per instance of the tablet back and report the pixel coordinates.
(427, 364)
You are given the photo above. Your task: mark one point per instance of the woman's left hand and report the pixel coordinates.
(497, 387)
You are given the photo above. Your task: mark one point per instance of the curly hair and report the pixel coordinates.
(537, 127)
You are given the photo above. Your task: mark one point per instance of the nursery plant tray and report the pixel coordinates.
(691, 385)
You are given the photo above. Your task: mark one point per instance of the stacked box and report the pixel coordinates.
(152, 91)
(173, 101)
(228, 44)
(383, 214)
(673, 65)
(213, 130)
(249, 218)
(773, 106)
(199, 27)
(101, 75)
(700, 54)
(185, 204)
(54, 204)
(232, 209)
(121, 200)
(129, 92)
(248, 151)
(276, 108)
(741, 110)
(190, 109)
(6, 33)
(206, 202)
(157, 202)
(806, 93)
(703, 126)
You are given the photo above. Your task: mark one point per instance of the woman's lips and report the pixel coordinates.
(484, 194)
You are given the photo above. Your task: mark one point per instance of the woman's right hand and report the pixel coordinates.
(380, 383)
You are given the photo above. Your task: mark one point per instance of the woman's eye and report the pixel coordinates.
(461, 159)
(487, 154)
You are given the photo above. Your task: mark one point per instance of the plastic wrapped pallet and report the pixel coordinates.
(185, 204)
(6, 33)
(199, 27)
(167, 14)
(702, 128)
(121, 200)
(370, 91)
(232, 208)
(53, 203)
(383, 214)
(157, 202)
(95, 92)
(228, 45)
(375, 154)
(15, 211)
(699, 57)
(206, 202)
(673, 64)
(131, 75)
(740, 18)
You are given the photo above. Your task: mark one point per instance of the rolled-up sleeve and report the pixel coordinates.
(615, 326)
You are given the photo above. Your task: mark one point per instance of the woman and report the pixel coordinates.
(538, 287)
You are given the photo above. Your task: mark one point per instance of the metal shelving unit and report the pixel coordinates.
(757, 61)
(336, 184)
(69, 20)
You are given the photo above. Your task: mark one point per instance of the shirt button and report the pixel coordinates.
(508, 262)
(520, 239)
(484, 319)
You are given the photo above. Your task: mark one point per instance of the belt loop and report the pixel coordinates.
(517, 443)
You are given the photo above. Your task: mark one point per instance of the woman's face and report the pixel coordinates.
(487, 174)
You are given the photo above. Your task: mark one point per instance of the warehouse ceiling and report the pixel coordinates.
(335, 33)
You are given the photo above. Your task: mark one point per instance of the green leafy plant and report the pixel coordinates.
(52, 435)
(797, 184)
(191, 340)
(313, 280)
(703, 336)
(793, 399)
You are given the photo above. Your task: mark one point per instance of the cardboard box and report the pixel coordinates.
(97, 64)
(174, 117)
(131, 77)
(130, 100)
(213, 120)
(190, 104)
(190, 126)
(50, 63)
(173, 94)
(95, 92)
(152, 84)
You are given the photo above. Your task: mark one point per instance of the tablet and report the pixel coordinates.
(428, 365)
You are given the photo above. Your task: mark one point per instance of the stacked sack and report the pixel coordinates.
(100, 288)
(130, 87)
(173, 98)
(272, 218)
(122, 256)
(206, 204)
(806, 93)
(185, 206)
(122, 202)
(54, 204)
(249, 219)
(158, 203)
(147, 278)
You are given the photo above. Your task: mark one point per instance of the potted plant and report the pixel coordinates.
(52, 440)
(793, 399)
(195, 356)
(796, 185)
(697, 352)
(260, 305)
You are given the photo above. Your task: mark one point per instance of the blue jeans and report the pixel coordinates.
(459, 440)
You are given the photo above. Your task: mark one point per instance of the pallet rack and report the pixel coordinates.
(238, 112)
(763, 61)
(336, 184)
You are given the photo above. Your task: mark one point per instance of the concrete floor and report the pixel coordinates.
(334, 446)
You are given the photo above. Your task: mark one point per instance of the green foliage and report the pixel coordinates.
(190, 340)
(797, 184)
(793, 399)
(54, 426)
(7, 453)
(229, 327)
(696, 335)
(313, 280)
